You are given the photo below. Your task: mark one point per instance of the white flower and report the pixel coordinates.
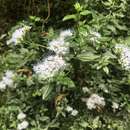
(21, 116)
(74, 113)
(69, 109)
(59, 46)
(93, 101)
(8, 81)
(9, 74)
(124, 53)
(23, 125)
(2, 86)
(66, 33)
(8, 78)
(50, 66)
(18, 35)
(115, 106)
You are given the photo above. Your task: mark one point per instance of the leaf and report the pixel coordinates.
(127, 40)
(29, 82)
(106, 70)
(78, 7)
(85, 12)
(88, 56)
(96, 122)
(64, 80)
(69, 17)
(112, 28)
(46, 91)
(84, 124)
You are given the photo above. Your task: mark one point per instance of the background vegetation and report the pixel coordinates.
(91, 89)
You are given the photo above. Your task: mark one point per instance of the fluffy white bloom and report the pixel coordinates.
(7, 80)
(69, 109)
(59, 46)
(124, 52)
(74, 112)
(2, 86)
(54, 63)
(115, 106)
(18, 35)
(9, 74)
(50, 66)
(21, 116)
(23, 125)
(66, 33)
(93, 101)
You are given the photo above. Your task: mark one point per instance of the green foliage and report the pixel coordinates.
(60, 101)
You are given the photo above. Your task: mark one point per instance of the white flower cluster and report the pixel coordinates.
(21, 116)
(124, 53)
(71, 110)
(59, 46)
(50, 66)
(95, 36)
(94, 101)
(24, 124)
(54, 63)
(7, 80)
(18, 35)
(115, 106)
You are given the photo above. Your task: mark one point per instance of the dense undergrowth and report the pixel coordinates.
(67, 70)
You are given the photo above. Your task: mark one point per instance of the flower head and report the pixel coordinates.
(18, 35)
(21, 116)
(69, 109)
(50, 66)
(9, 74)
(124, 53)
(59, 46)
(66, 33)
(115, 106)
(23, 125)
(74, 113)
(94, 101)
(7, 80)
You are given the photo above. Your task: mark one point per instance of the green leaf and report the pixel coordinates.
(106, 70)
(64, 80)
(29, 82)
(85, 12)
(96, 123)
(127, 40)
(46, 90)
(84, 124)
(88, 56)
(112, 28)
(69, 17)
(78, 7)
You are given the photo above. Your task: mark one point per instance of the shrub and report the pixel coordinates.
(73, 79)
